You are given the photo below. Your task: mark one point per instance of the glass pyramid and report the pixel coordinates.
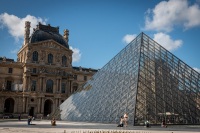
(144, 80)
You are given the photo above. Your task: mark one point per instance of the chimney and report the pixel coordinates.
(27, 32)
(66, 35)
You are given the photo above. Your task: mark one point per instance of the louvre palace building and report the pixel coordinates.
(42, 77)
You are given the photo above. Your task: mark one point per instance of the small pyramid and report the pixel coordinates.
(143, 80)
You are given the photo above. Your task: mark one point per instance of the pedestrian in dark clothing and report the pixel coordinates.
(121, 124)
(19, 117)
(29, 120)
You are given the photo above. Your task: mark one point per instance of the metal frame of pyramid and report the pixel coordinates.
(144, 80)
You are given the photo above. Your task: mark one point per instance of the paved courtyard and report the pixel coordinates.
(44, 126)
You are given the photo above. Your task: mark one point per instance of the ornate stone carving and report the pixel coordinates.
(50, 45)
(66, 35)
(28, 54)
(58, 57)
(42, 70)
(43, 55)
(27, 32)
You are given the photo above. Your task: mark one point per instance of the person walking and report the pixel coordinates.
(19, 117)
(126, 119)
(121, 122)
(53, 122)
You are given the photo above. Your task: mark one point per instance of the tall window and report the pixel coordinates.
(10, 70)
(33, 87)
(35, 56)
(64, 60)
(63, 88)
(50, 58)
(49, 86)
(8, 85)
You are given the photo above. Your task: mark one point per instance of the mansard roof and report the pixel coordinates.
(46, 32)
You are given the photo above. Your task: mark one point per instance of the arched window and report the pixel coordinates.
(48, 107)
(49, 86)
(9, 105)
(64, 60)
(35, 56)
(50, 58)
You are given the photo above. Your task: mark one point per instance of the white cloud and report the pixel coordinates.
(16, 25)
(76, 56)
(166, 41)
(197, 69)
(168, 14)
(128, 38)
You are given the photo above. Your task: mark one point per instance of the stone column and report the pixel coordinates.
(42, 105)
(60, 85)
(29, 83)
(1, 105)
(20, 104)
(40, 84)
(57, 85)
(25, 84)
(59, 101)
(44, 84)
(16, 105)
(24, 104)
(27, 108)
(56, 102)
(68, 87)
(39, 105)
(70, 84)
(54, 105)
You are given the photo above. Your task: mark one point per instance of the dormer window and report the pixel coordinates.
(50, 58)
(64, 60)
(10, 70)
(35, 56)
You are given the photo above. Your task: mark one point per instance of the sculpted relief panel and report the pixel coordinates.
(50, 45)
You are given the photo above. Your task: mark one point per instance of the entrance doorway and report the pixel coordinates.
(9, 105)
(31, 111)
(47, 107)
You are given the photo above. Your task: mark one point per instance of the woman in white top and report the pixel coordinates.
(125, 119)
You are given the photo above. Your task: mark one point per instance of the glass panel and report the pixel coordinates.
(144, 80)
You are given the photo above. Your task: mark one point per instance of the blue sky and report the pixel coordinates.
(99, 29)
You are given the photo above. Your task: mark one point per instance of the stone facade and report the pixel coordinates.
(43, 75)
